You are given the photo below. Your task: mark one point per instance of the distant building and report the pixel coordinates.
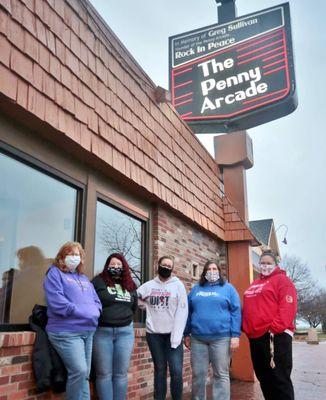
(264, 231)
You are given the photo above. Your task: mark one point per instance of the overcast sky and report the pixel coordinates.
(287, 182)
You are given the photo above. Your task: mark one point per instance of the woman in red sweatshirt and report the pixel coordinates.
(269, 309)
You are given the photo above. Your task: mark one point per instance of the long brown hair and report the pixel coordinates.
(65, 249)
(126, 281)
(203, 280)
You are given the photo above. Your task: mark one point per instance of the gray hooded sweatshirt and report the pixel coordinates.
(166, 307)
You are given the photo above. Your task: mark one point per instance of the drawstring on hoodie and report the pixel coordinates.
(271, 349)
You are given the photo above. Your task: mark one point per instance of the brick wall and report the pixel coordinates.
(17, 379)
(16, 376)
(188, 244)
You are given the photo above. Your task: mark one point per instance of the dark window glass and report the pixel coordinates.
(118, 232)
(37, 215)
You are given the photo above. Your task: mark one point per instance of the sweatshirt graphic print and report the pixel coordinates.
(119, 294)
(159, 299)
(118, 304)
(166, 307)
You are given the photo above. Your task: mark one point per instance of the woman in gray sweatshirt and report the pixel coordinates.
(165, 301)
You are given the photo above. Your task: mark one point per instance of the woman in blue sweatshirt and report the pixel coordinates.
(73, 311)
(212, 331)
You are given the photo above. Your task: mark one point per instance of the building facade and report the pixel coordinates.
(264, 231)
(89, 153)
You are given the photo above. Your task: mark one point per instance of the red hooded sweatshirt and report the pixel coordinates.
(269, 304)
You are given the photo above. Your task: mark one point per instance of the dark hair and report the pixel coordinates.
(126, 280)
(203, 280)
(166, 258)
(271, 254)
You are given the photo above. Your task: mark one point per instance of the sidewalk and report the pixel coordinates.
(308, 375)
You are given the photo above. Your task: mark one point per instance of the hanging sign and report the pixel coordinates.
(234, 76)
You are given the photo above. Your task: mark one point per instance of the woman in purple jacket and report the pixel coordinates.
(73, 311)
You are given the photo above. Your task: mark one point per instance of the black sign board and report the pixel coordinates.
(236, 75)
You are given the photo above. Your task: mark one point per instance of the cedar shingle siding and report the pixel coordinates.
(62, 64)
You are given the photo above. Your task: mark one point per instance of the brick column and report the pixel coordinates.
(233, 153)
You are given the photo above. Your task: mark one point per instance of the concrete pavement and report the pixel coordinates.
(309, 372)
(308, 375)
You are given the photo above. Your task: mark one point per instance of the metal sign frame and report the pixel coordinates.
(235, 75)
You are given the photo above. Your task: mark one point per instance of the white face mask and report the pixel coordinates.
(266, 269)
(72, 262)
(212, 276)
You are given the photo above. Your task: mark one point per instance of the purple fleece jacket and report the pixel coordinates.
(73, 305)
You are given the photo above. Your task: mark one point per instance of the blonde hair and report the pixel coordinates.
(64, 250)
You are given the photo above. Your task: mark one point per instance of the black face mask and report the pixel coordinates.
(115, 273)
(164, 272)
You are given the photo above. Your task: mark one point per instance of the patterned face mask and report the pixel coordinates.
(212, 276)
(266, 269)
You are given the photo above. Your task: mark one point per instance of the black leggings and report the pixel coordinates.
(275, 382)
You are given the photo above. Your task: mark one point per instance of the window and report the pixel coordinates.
(119, 232)
(195, 270)
(37, 215)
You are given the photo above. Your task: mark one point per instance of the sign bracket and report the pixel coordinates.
(226, 11)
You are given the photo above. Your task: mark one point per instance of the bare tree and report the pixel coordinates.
(124, 237)
(311, 298)
(312, 308)
(299, 273)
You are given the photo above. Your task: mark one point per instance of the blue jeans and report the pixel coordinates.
(111, 358)
(162, 355)
(218, 353)
(75, 350)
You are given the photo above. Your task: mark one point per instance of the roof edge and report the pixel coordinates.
(236, 229)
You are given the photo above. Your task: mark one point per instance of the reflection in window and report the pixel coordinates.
(37, 215)
(117, 232)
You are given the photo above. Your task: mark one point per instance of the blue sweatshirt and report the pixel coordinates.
(73, 305)
(214, 312)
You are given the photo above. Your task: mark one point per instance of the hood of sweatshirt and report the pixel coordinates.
(173, 279)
